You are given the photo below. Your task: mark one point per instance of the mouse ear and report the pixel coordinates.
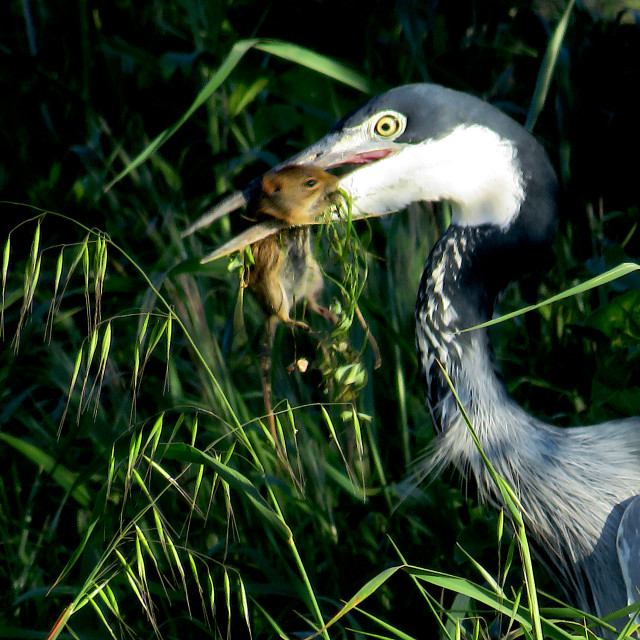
(269, 183)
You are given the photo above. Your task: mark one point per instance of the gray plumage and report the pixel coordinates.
(574, 484)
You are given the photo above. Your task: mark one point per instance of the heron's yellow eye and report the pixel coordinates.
(387, 126)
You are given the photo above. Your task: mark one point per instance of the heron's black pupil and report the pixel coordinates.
(387, 126)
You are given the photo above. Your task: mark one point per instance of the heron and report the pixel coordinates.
(579, 487)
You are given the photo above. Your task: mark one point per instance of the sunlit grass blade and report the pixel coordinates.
(86, 271)
(397, 634)
(227, 593)
(6, 254)
(91, 349)
(98, 610)
(312, 60)
(133, 456)
(285, 50)
(486, 575)
(136, 376)
(160, 529)
(487, 597)
(195, 575)
(31, 278)
(611, 275)
(156, 335)
(170, 479)
(35, 247)
(355, 421)
(244, 603)
(334, 436)
(212, 594)
(466, 587)
(516, 511)
(143, 543)
(154, 436)
(72, 385)
(142, 571)
(169, 332)
(99, 274)
(239, 482)
(60, 622)
(272, 622)
(102, 366)
(54, 297)
(362, 594)
(143, 596)
(177, 563)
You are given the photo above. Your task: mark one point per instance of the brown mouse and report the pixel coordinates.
(284, 270)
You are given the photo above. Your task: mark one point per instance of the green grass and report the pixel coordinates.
(142, 494)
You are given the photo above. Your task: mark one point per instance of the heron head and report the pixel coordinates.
(423, 142)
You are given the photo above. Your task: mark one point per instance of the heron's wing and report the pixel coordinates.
(628, 543)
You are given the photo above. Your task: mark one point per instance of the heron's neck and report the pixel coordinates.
(458, 291)
(548, 467)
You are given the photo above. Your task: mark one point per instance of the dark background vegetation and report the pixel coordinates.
(84, 87)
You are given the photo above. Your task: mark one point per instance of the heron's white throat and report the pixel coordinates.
(472, 167)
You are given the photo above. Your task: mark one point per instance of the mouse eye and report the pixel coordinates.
(309, 184)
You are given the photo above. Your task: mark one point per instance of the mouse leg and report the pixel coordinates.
(266, 355)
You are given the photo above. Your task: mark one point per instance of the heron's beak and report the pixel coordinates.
(339, 149)
(336, 149)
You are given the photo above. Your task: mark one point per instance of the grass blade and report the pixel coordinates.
(5, 272)
(61, 475)
(613, 274)
(362, 594)
(312, 60)
(235, 479)
(285, 50)
(547, 68)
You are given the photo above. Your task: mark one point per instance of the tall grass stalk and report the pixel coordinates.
(97, 347)
(286, 50)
